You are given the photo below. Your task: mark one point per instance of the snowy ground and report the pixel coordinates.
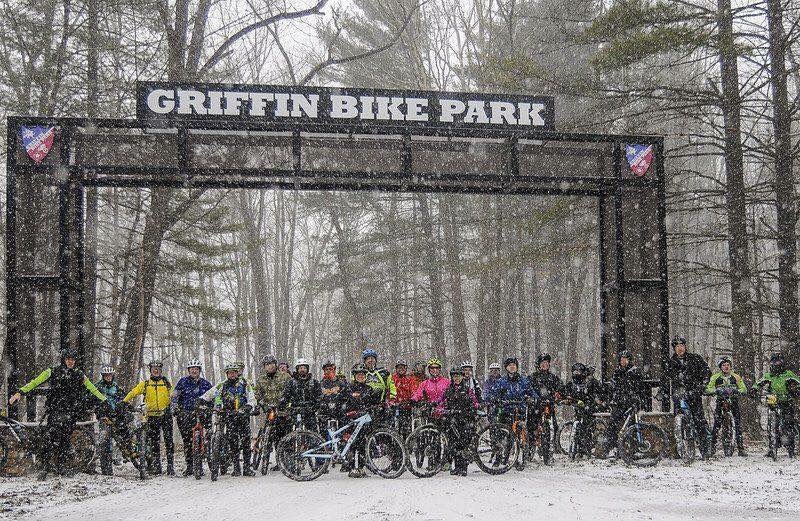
(733, 488)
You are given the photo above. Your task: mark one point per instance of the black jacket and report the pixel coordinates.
(626, 386)
(67, 392)
(546, 384)
(301, 392)
(690, 371)
(357, 397)
(589, 391)
(458, 401)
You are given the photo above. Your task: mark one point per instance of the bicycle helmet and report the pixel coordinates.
(156, 363)
(69, 353)
(511, 360)
(466, 364)
(194, 363)
(301, 361)
(107, 369)
(401, 362)
(269, 359)
(624, 354)
(578, 367)
(232, 366)
(724, 360)
(369, 352)
(677, 340)
(434, 361)
(776, 360)
(328, 364)
(358, 368)
(456, 370)
(494, 365)
(544, 357)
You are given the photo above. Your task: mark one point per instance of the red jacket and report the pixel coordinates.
(406, 385)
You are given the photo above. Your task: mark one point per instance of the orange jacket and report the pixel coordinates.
(406, 385)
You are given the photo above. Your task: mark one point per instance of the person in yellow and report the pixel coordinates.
(66, 401)
(156, 391)
(727, 386)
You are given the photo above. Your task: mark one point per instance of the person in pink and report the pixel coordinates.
(432, 390)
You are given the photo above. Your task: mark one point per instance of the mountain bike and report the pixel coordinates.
(641, 444)
(573, 434)
(776, 431)
(128, 432)
(264, 442)
(29, 438)
(304, 455)
(218, 445)
(199, 441)
(544, 431)
(727, 431)
(684, 429)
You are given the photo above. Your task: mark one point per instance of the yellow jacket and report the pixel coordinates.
(156, 395)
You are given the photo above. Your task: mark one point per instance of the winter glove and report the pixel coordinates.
(245, 410)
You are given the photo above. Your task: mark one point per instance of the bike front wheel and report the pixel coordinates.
(496, 449)
(728, 432)
(563, 437)
(684, 439)
(642, 445)
(216, 455)
(386, 453)
(197, 453)
(293, 460)
(426, 448)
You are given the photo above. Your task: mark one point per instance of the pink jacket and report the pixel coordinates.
(431, 390)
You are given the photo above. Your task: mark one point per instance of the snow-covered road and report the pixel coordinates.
(736, 488)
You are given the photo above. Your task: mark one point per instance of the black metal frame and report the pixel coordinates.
(69, 277)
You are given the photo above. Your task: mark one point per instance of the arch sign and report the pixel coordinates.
(361, 107)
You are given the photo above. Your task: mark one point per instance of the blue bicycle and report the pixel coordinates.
(304, 455)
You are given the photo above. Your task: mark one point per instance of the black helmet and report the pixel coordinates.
(725, 359)
(776, 359)
(676, 340)
(269, 359)
(544, 357)
(155, 363)
(578, 367)
(69, 353)
(401, 362)
(589, 370)
(456, 370)
(624, 354)
(358, 368)
(511, 360)
(328, 364)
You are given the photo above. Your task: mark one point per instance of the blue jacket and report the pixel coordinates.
(187, 391)
(508, 389)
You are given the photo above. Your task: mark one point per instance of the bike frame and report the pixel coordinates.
(335, 438)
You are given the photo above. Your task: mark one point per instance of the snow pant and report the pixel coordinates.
(719, 418)
(158, 427)
(186, 421)
(237, 430)
(695, 402)
(359, 449)
(459, 437)
(615, 422)
(537, 423)
(404, 422)
(789, 425)
(56, 451)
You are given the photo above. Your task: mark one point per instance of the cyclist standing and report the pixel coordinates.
(235, 398)
(433, 388)
(184, 397)
(549, 388)
(585, 394)
(471, 381)
(354, 399)
(332, 386)
(113, 393)
(68, 387)
(690, 371)
(379, 379)
(626, 387)
(156, 391)
(405, 384)
(304, 393)
(458, 407)
(725, 384)
(269, 388)
(785, 385)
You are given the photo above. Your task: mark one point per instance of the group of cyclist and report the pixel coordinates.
(394, 398)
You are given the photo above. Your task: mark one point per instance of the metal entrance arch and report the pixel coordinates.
(46, 200)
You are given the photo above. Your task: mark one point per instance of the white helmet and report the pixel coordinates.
(107, 369)
(494, 365)
(194, 363)
(301, 361)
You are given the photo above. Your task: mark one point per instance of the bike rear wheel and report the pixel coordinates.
(426, 448)
(139, 458)
(297, 466)
(215, 454)
(774, 435)
(386, 453)
(496, 449)
(642, 445)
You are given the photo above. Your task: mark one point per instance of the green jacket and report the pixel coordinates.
(381, 381)
(719, 380)
(67, 389)
(778, 384)
(269, 389)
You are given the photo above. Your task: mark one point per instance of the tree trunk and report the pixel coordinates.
(433, 270)
(452, 248)
(783, 184)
